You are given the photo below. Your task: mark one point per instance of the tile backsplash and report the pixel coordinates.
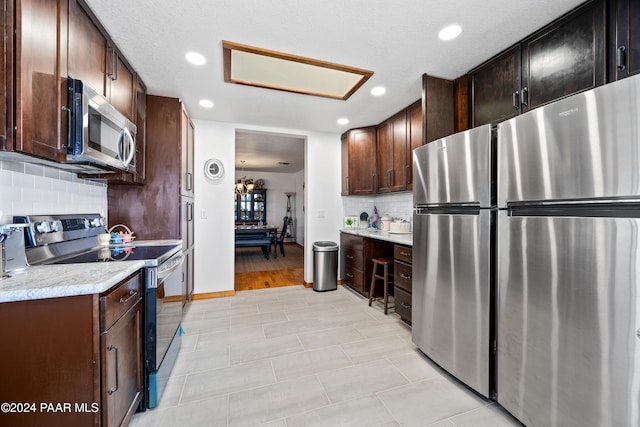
(30, 189)
(398, 205)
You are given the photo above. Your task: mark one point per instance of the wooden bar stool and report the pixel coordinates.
(386, 277)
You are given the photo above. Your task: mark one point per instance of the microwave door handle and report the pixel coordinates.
(126, 135)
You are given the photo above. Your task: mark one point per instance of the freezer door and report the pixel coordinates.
(567, 321)
(581, 147)
(455, 169)
(450, 294)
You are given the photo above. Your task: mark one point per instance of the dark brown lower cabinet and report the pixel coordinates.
(402, 281)
(59, 369)
(121, 366)
(357, 268)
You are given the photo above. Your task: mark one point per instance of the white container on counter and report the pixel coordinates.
(400, 227)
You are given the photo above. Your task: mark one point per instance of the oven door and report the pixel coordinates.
(164, 314)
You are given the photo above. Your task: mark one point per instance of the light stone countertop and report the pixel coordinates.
(62, 280)
(402, 239)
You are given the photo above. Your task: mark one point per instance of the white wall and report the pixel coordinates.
(214, 235)
(322, 200)
(29, 189)
(213, 206)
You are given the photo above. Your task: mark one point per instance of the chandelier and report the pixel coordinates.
(243, 185)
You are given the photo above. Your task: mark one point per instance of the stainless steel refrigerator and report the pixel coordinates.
(454, 213)
(568, 314)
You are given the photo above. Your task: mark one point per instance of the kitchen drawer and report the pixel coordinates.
(349, 241)
(353, 258)
(354, 279)
(118, 300)
(402, 304)
(402, 275)
(402, 253)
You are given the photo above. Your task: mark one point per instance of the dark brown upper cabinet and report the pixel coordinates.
(391, 153)
(566, 57)
(624, 39)
(414, 137)
(494, 87)
(359, 145)
(379, 159)
(95, 59)
(40, 91)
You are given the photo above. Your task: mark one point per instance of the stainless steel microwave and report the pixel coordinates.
(98, 133)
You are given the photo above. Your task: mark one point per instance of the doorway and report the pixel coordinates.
(271, 165)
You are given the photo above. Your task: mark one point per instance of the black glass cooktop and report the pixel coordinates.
(121, 253)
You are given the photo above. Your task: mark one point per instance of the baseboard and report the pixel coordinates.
(209, 295)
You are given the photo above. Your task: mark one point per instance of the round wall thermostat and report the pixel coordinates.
(213, 169)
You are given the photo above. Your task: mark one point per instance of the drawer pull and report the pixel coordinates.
(349, 275)
(405, 276)
(405, 253)
(405, 305)
(131, 295)
(348, 256)
(114, 389)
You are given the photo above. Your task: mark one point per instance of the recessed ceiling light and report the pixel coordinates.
(378, 91)
(195, 58)
(450, 32)
(206, 103)
(343, 121)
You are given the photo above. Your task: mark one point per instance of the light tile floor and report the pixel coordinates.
(294, 357)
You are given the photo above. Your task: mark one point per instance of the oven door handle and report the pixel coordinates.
(177, 263)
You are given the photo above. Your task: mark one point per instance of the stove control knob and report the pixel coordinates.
(43, 227)
(96, 222)
(56, 226)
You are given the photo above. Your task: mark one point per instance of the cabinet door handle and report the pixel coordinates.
(349, 275)
(408, 174)
(515, 97)
(622, 58)
(113, 74)
(189, 212)
(114, 64)
(110, 72)
(405, 276)
(189, 181)
(124, 300)
(524, 96)
(114, 389)
(405, 305)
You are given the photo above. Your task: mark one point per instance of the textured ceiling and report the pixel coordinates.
(395, 39)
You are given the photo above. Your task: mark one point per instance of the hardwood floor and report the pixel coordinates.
(253, 271)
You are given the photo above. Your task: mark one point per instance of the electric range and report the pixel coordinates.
(73, 239)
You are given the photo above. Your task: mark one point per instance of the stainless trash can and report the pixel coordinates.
(325, 266)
